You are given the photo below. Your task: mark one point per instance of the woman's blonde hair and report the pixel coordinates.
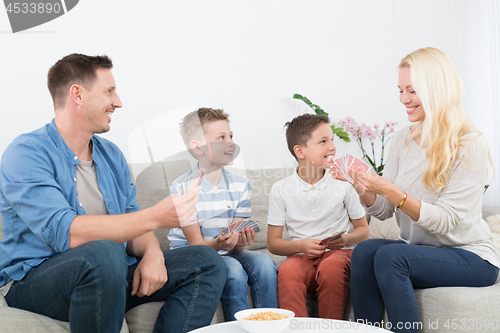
(439, 87)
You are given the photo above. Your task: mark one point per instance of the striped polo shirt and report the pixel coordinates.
(217, 205)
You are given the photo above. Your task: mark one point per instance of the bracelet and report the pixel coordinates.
(402, 201)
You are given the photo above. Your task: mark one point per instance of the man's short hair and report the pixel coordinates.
(74, 69)
(194, 124)
(299, 129)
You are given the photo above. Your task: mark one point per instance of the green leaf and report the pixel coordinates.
(343, 134)
(380, 170)
(336, 130)
(303, 99)
(371, 162)
(317, 109)
(346, 139)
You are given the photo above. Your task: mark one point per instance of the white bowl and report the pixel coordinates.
(264, 326)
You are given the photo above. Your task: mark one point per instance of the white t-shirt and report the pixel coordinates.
(313, 211)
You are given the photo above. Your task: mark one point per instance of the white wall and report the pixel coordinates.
(250, 57)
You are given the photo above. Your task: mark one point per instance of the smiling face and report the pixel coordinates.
(99, 103)
(219, 145)
(318, 147)
(409, 97)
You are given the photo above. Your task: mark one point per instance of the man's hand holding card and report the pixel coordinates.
(192, 181)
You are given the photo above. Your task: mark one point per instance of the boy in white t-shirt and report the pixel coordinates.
(313, 206)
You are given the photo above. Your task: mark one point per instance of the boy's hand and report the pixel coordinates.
(333, 170)
(337, 244)
(336, 174)
(247, 237)
(228, 241)
(311, 248)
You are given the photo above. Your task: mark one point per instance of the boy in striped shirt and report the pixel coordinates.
(224, 198)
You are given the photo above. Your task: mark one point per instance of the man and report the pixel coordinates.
(76, 246)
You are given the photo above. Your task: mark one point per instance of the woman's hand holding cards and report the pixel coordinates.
(368, 182)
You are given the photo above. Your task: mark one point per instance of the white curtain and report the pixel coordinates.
(474, 47)
(495, 73)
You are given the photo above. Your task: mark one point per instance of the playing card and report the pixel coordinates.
(342, 169)
(231, 226)
(344, 164)
(254, 224)
(256, 228)
(237, 227)
(359, 165)
(193, 180)
(240, 225)
(350, 158)
(332, 237)
(248, 223)
(244, 224)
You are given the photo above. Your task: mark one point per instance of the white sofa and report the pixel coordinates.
(459, 308)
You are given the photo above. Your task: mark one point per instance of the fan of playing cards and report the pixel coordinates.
(193, 180)
(332, 237)
(236, 227)
(347, 161)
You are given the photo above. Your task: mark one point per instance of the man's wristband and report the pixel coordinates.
(402, 201)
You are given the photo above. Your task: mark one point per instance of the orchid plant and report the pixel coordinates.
(362, 131)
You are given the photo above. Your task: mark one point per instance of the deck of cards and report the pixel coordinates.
(332, 237)
(343, 163)
(193, 180)
(236, 227)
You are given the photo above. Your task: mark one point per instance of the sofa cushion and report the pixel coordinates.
(471, 309)
(493, 222)
(387, 229)
(262, 181)
(489, 211)
(153, 185)
(142, 318)
(16, 320)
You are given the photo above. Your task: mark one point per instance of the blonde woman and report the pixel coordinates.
(433, 181)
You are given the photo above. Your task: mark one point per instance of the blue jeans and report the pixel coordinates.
(386, 272)
(249, 268)
(90, 287)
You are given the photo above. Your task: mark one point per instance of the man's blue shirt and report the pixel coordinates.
(38, 197)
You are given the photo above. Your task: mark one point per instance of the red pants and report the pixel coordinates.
(329, 275)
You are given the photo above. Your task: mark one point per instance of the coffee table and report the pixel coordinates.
(299, 325)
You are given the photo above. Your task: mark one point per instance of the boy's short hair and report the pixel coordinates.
(299, 129)
(193, 125)
(74, 69)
